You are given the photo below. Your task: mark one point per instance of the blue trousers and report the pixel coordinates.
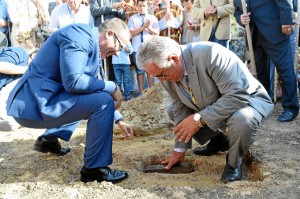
(281, 56)
(98, 109)
(272, 66)
(123, 75)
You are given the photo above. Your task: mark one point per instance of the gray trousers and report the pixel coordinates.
(242, 127)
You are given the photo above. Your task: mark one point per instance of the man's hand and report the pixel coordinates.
(210, 10)
(185, 130)
(287, 29)
(127, 129)
(117, 95)
(176, 157)
(3, 23)
(245, 18)
(119, 5)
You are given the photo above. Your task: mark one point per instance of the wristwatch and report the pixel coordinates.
(197, 118)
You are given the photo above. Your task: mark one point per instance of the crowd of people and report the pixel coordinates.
(185, 45)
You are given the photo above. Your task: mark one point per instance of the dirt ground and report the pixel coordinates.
(271, 170)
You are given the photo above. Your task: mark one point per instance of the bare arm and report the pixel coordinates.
(152, 30)
(11, 69)
(137, 31)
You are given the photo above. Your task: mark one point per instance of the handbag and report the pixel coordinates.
(214, 29)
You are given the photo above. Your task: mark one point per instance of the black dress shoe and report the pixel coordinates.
(216, 144)
(287, 116)
(231, 174)
(45, 145)
(102, 174)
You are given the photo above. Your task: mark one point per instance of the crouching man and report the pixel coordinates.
(61, 87)
(209, 86)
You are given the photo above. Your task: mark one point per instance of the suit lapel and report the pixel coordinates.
(192, 75)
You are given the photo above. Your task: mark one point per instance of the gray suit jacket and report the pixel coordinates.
(97, 10)
(221, 84)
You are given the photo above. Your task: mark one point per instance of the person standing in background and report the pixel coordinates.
(122, 71)
(271, 22)
(27, 16)
(190, 26)
(170, 18)
(4, 19)
(141, 26)
(73, 11)
(103, 10)
(215, 20)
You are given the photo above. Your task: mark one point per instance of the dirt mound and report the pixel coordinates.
(271, 169)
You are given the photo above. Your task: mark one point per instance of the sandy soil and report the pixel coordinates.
(271, 170)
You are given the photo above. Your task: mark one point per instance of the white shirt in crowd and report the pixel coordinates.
(134, 22)
(63, 15)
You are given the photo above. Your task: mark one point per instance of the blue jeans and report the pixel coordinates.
(137, 70)
(122, 72)
(224, 43)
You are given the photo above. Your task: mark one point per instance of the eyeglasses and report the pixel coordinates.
(183, 1)
(109, 51)
(162, 75)
(120, 45)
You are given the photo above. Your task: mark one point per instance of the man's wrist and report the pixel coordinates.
(117, 121)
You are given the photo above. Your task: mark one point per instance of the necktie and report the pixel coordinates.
(185, 84)
(143, 20)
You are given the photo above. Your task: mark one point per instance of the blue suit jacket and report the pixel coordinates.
(268, 16)
(65, 67)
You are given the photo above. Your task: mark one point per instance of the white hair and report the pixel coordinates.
(156, 50)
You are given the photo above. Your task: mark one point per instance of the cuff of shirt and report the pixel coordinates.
(180, 150)
(109, 86)
(117, 115)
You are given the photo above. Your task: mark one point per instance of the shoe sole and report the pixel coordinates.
(92, 180)
(40, 149)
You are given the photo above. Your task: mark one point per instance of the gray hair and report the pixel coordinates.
(115, 24)
(156, 50)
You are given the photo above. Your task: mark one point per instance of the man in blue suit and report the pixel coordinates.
(60, 88)
(271, 22)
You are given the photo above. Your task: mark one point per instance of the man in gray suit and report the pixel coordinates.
(209, 87)
(103, 10)
(108, 9)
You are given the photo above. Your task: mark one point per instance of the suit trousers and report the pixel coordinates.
(242, 127)
(281, 56)
(98, 109)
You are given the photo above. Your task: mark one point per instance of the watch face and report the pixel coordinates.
(197, 117)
